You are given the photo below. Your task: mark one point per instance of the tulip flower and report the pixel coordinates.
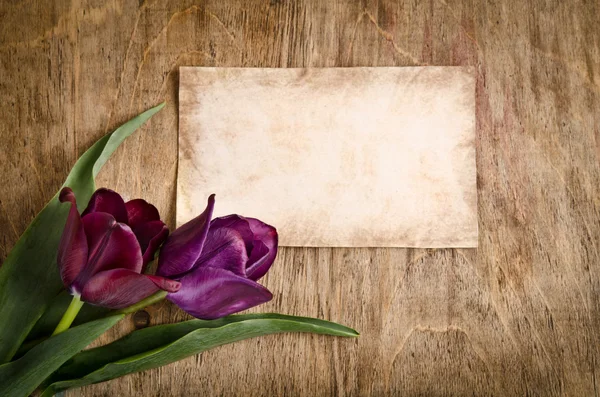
(103, 251)
(218, 263)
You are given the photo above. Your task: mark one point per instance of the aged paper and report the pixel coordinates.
(339, 157)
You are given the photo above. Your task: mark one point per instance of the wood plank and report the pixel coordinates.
(517, 316)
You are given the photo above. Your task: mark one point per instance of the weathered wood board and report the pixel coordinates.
(517, 316)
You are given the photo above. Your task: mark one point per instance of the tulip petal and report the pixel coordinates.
(258, 261)
(260, 240)
(261, 259)
(73, 248)
(140, 211)
(109, 201)
(237, 223)
(119, 288)
(150, 235)
(111, 245)
(224, 248)
(210, 293)
(184, 246)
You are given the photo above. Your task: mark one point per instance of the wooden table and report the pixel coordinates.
(518, 316)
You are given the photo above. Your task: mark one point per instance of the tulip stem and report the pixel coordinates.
(69, 316)
(152, 299)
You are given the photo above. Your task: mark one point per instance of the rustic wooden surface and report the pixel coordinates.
(518, 316)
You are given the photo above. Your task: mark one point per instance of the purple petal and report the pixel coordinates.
(224, 248)
(237, 223)
(150, 235)
(73, 248)
(184, 246)
(264, 249)
(210, 293)
(260, 240)
(259, 261)
(111, 245)
(140, 211)
(111, 202)
(166, 284)
(119, 288)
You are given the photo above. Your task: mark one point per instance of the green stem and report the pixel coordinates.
(152, 299)
(69, 316)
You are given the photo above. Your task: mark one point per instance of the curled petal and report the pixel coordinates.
(260, 240)
(140, 211)
(259, 261)
(166, 284)
(73, 248)
(109, 201)
(119, 288)
(210, 293)
(264, 249)
(224, 249)
(111, 245)
(150, 235)
(237, 223)
(184, 246)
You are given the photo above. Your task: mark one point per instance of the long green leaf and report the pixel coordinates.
(29, 277)
(164, 344)
(21, 377)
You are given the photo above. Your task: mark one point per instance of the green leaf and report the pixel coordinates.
(160, 345)
(21, 377)
(29, 277)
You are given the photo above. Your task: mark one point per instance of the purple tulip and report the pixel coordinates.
(218, 263)
(103, 251)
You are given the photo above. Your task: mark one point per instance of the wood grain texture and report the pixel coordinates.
(517, 316)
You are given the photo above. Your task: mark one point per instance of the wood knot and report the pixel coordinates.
(141, 319)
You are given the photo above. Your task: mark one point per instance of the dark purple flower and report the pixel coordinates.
(103, 251)
(218, 263)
